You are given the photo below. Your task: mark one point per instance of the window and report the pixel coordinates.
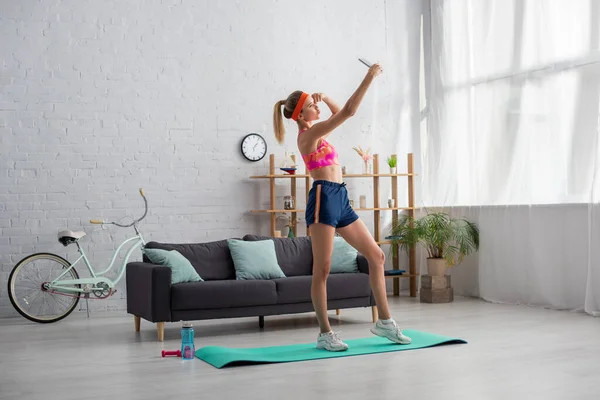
(513, 94)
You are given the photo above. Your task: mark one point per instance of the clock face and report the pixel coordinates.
(254, 147)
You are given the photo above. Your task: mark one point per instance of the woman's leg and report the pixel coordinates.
(322, 247)
(359, 237)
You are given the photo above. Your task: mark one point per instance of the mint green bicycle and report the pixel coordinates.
(44, 287)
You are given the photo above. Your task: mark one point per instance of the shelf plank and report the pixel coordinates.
(356, 209)
(279, 176)
(278, 211)
(394, 175)
(375, 175)
(403, 276)
(287, 176)
(383, 209)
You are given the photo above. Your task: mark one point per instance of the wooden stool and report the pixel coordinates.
(436, 289)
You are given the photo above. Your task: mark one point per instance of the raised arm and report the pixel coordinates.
(324, 128)
(333, 106)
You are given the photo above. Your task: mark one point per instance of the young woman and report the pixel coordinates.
(328, 207)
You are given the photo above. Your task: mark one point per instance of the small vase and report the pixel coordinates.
(393, 170)
(367, 167)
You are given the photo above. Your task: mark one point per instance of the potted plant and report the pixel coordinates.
(447, 239)
(392, 162)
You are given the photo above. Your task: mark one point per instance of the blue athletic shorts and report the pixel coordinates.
(328, 204)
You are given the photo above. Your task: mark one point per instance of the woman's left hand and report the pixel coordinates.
(327, 100)
(317, 97)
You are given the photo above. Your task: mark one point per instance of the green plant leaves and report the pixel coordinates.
(442, 235)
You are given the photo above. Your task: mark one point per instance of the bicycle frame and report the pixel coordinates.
(97, 277)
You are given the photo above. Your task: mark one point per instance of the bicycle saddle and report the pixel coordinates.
(67, 237)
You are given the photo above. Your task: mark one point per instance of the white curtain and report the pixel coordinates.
(513, 94)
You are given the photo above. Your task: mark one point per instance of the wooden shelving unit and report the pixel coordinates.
(377, 209)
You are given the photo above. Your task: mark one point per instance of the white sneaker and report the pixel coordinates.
(390, 331)
(331, 341)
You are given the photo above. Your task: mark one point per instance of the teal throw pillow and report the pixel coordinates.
(254, 259)
(343, 258)
(181, 268)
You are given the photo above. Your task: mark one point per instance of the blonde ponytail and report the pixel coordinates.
(278, 121)
(289, 105)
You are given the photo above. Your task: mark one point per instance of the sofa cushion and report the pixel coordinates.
(296, 289)
(212, 260)
(181, 268)
(222, 294)
(254, 259)
(343, 257)
(294, 255)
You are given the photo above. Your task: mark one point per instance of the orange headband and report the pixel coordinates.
(299, 106)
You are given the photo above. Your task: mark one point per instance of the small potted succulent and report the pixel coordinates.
(392, 161)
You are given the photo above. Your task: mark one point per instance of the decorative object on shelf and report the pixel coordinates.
(447, 239)
(352, 203)
(392, 161)
(289, 163)
(344, 170)
(288, 203)
(289, 160)
(366, 157)
(391, 203)
(253, 147)
(291, 223)
(362, 201)
(288, 170)
(394, 272)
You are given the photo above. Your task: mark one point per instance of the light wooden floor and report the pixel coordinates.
(513, 351)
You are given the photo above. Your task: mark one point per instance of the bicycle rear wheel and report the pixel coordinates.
(29, 294)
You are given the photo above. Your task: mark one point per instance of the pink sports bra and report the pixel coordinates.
(324, 156)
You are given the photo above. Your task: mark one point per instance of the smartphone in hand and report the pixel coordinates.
(367, 63)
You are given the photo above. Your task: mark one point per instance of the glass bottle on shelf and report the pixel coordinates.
(288, 202)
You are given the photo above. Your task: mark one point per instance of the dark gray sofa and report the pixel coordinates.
(150, 295)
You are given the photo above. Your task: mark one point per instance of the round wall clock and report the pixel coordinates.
(254, 147)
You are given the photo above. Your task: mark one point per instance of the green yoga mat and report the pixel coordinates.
(220, 357)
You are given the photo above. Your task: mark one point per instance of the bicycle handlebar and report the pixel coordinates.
(97, 221)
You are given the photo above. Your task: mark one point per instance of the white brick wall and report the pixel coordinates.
(99, 98)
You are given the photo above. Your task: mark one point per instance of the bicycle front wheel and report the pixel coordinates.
(29, 293)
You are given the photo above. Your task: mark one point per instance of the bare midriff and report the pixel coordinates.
(331, 173)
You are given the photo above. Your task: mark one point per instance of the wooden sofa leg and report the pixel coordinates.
(136, 322)
(337, 311)
(261, 322)
(160, 327)
(375, 313)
